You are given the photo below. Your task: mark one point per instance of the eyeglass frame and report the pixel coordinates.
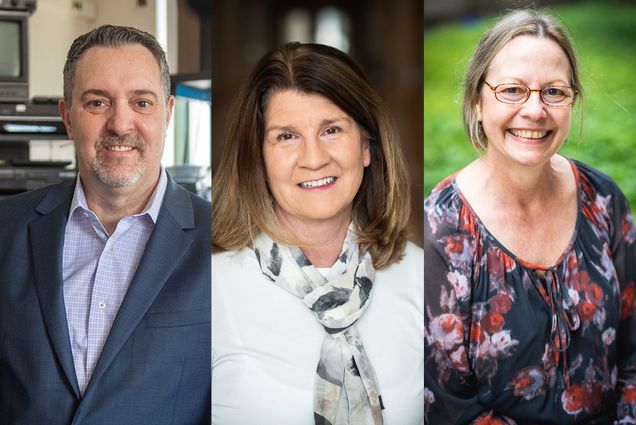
(530, 91)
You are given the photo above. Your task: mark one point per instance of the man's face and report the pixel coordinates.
(118, 117)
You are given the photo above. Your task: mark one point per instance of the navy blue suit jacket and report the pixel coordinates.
(155, 365)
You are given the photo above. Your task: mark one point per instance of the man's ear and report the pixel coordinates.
(66, 117)
(169, 109)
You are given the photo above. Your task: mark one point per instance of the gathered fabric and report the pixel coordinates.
(345, 390)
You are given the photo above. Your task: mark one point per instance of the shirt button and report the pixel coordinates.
(102, 305)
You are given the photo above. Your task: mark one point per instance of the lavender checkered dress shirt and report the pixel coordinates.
(97, 270)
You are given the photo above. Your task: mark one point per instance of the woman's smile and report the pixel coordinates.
(322, 183)
(530, 137)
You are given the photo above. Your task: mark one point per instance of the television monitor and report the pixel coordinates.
(14, 56)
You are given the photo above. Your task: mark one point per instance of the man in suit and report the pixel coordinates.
(105, 281)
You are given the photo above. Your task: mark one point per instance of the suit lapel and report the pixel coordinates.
(47, 241)
(166, 247)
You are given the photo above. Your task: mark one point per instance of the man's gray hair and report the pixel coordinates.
(114, 36)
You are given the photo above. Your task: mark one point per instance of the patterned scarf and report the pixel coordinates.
(345, 389)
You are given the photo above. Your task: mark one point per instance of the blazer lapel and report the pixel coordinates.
(166, 247)
(47, 241)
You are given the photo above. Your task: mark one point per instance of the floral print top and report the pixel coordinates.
(508, 345)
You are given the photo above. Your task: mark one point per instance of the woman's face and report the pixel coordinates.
(528, 133)
(314, 158)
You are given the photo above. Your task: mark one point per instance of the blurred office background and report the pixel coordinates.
(181, 26)
(385, 37)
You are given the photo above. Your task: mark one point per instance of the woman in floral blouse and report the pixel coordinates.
(530, 256)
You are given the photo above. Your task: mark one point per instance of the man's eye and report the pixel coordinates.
(96, 103)
(144, 106)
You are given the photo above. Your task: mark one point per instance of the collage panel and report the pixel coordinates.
(317, 266)
(529, 237)
(105, 212)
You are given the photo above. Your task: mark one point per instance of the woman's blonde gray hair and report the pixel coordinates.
(511, 25)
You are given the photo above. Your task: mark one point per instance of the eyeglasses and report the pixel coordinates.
(515, 93)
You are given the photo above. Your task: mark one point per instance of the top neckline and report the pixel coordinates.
(527, 264)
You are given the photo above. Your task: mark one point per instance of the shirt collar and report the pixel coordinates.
(152, 206)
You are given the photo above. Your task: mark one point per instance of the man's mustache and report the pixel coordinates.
(114, 140)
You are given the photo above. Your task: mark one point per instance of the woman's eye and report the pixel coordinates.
(285, 137)
(554, 91)
(512, 90)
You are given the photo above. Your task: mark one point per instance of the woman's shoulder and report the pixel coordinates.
(446, 211)
(444, 193)
(601, 197)
(603, 204)
(242, 259)
(413, 255)
(406, 277)
(444, 199)
(412, 260)
(596, 180)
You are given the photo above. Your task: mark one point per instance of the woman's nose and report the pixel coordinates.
(534, 108)
(313, 154)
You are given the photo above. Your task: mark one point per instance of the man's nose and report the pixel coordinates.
(120, 119)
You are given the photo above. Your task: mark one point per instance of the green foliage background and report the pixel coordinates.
(604, 35)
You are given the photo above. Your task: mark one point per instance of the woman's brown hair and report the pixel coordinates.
(242, 205)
